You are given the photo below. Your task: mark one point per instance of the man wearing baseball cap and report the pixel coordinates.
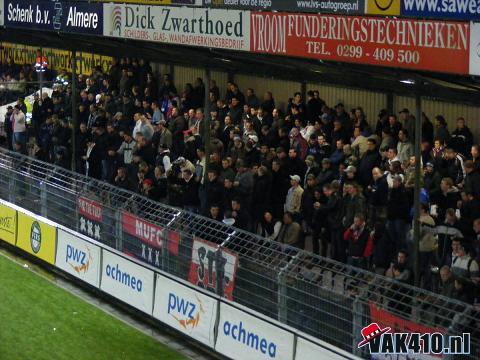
(293, 201)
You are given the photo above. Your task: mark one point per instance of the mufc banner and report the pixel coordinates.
(206, 267)
(145, 240)
(90, 218)
(404, 43)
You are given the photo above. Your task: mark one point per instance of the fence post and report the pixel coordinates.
(357, 324)
(11, 188)
(118, 230)
(43, 199)
(282, 298)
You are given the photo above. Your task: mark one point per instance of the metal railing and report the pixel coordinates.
(326, 299)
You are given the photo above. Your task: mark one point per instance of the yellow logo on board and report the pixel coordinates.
(383, 7)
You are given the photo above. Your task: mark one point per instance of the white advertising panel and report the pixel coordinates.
(243, 336)
(127, 281)
(78, 257)
(186, 310)
(2, 21)
(215, 28)
(474, 48)
(309, 350)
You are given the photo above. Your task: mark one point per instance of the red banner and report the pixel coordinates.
(441, 46)
(399, 325)
(90, 209)
(148, 233)
(205, 266)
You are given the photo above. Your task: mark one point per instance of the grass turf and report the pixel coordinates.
(39, 320)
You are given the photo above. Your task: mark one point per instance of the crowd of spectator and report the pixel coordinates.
(312, 174)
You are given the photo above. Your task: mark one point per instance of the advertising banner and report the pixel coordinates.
(405, 43)
(243, 336)
(160, 2)
(127, 281)
(145, 240)
(475, 49)
(90, 217)
(61, 16)
(36, 238)
(57, 59)
(442, 9)
(205, 267)
(347, 7)
(78, 257)
(224, 29)
(399, 325)
(186, 310)
(8, 224)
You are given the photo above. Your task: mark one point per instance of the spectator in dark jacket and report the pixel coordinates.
(472, 179)
(333, 211)
(398, 213)
(189, 191)
(377, 196)
(462, 138)
(369, 160)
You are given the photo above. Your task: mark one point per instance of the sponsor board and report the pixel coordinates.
(36, 237)
(127, 281)
(309, 350)
(145, 240)
(347, 7)
(243, 336)
(186, 310)
(90, 218)
(442, 9)
(78, 257)
(404, 43)
(474, 49)
(382, 7)
(61, 16)
(8, 224)
(206, 267)
(57, 59)
(215, 28)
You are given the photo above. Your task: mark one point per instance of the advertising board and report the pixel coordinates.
(127, 281)
(204, 27)
(78, 257)
(186, 310)
(475, 49)
(441, 9)
(347, 7)
(1, 13)
(8, 224)
(61, 16)
(36, 237)
(145, 240)
(160, 2)
(405, 43)
(309, 350)
(243, 336)
(205, 267)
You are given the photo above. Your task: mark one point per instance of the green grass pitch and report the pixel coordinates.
(39, 320)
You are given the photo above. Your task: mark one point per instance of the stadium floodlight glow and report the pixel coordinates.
(408, 81)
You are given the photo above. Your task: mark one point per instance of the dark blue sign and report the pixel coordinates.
(441, 9)
(61, 16)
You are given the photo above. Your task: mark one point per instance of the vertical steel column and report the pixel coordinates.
(416, 194)
(207, 120)
(74, 108)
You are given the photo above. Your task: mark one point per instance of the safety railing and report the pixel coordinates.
(323, 298)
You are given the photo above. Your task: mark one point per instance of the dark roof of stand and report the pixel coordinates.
(464, 89)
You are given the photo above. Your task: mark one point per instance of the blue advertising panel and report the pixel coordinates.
(61, 16)
(442, 9)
